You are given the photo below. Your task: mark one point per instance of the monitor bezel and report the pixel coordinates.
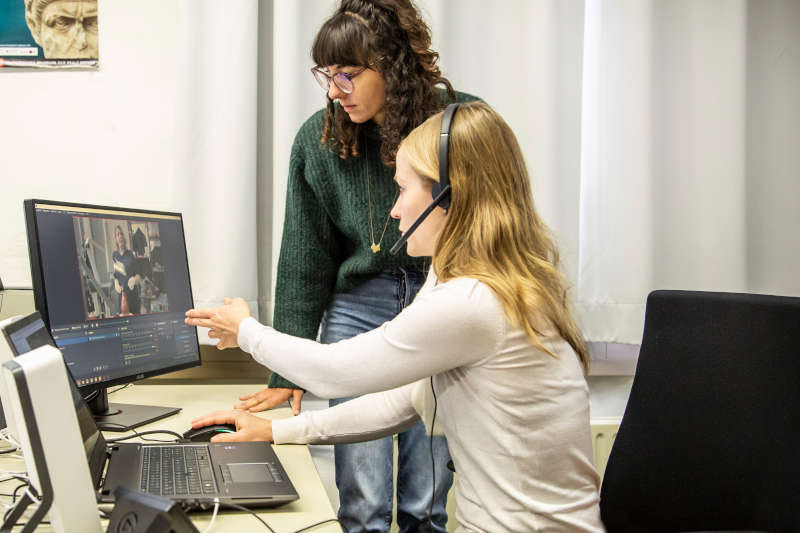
(37, 279)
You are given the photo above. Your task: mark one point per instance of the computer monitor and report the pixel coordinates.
(112, 284)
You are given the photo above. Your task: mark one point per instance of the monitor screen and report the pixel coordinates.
(113, 287)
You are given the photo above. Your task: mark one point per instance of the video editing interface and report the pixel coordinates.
(117, 286)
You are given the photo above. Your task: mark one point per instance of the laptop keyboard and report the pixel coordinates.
(177, 471)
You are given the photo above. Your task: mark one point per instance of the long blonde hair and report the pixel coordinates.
(493, 232)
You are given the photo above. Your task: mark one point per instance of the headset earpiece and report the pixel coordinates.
(443, 186)
(441, 190)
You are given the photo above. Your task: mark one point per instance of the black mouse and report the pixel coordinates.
(205, 433)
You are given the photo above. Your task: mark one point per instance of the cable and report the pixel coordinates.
(150, 432)
(91, 396)
(245, 509)
(18, 476)
(120, 388)
(4, 435)
(10, 508)
(14, 454)
(16, 489)
(213, 516)
(320, 523)
(201, 504)
(433, 461)
(138, 434)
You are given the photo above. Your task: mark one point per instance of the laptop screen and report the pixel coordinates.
(30, 333)
(27, 334)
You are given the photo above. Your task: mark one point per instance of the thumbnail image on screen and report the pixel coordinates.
(121, 267)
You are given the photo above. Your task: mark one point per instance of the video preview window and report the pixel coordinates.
(121, 267)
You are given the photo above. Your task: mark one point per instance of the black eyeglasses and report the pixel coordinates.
(342, 80)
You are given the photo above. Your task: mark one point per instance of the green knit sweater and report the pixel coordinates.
(326, 241)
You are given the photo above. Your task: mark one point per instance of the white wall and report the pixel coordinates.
(167, 123)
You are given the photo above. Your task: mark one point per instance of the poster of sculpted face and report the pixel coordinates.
(48, 34)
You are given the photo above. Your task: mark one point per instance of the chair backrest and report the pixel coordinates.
(710, 438)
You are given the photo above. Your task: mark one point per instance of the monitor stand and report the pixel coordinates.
(124, 416)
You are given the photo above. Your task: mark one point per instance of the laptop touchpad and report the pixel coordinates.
(249, 472)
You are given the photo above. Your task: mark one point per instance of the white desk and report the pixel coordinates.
(313, 505)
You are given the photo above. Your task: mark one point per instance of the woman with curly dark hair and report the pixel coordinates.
(335, 273)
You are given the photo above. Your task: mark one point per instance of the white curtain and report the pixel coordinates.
(660, 134)
(689, 161)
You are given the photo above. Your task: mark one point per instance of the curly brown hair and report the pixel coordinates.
(390, 37)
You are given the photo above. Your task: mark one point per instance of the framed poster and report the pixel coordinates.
(53, 34)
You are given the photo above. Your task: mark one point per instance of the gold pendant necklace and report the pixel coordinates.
(375, 246)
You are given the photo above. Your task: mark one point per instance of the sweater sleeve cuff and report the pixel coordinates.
(290, 430)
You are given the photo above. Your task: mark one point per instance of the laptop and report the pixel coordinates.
(243, 473)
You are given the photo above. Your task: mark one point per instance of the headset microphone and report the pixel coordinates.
(441, 189)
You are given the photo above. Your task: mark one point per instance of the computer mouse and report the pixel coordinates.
(205, 433)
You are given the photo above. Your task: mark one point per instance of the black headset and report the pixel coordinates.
(441, 190)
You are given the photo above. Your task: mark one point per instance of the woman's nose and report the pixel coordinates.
(334, 92)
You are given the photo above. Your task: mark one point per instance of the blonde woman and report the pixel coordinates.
(335, 274)
(126, 280)
(488, 353)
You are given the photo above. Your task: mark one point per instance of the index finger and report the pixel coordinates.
(200, 313)
(227, 437)
(217, 417)
(202, 322)
(246, 404)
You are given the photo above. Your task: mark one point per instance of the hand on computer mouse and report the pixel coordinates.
(248, 427)
(206, 433)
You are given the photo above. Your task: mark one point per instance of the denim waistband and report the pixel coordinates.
(403, 273)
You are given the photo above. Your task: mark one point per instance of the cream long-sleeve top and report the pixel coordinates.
(516, 418)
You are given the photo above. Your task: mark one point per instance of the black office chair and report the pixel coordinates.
(710, 438)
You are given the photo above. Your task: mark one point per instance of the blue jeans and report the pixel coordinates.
(364, 470)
